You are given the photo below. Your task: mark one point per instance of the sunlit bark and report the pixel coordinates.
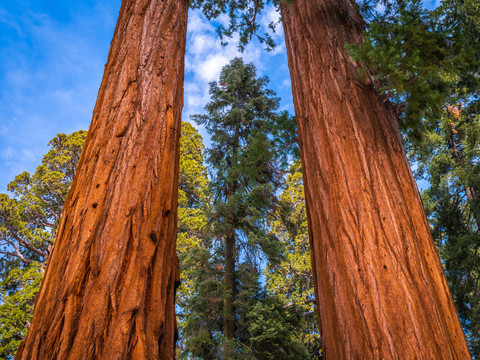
(380, 287)
(109, 286)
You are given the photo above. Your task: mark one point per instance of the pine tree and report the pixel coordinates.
(241, 118)
(241, 156)
(366, 219)
(291, 279)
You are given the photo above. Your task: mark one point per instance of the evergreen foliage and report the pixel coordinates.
(291, 279)
(244, 158)
(416, 58)
(448, 158)
(193, 241)
(427, 64)
(193, 201)
(29, 219)
(240, 119)
(243, 16)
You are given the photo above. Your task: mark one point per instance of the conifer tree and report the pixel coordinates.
(426, 64)
(193, 201)
(370, 215)
(241, 156)
(241, 118)
(192, 239)
(29, 219)
(291, 279)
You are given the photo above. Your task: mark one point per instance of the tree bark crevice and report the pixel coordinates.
(108, 288)
(381, 292)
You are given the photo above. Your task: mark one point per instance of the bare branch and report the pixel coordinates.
(25, 243)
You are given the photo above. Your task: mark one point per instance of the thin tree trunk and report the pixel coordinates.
(380, 287)
(229, 285)
(109, 286)
(230, 289)
(470, 191)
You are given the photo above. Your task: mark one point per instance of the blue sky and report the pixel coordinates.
(52, 56)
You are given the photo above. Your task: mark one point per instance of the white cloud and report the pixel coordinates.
(380, 8)
(196, 100)
(7, 153)
(28, 155)
(191, 87)
(270, 15)
(202, 44)
(223, 20)
(210, 68)
(196, 24)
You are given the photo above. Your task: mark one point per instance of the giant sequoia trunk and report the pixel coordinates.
(380, 287)
(109, 287)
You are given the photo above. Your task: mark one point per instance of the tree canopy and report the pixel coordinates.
(243, 243)
(29, 218)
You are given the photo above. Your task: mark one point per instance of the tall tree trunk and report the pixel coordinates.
(230, 289)
(470, 191)
(109, 286)
(380, 287)
(229, 286)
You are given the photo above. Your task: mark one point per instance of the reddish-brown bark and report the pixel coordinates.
(380, 287)
(109, 287)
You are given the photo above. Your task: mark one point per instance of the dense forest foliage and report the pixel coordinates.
(243, 246)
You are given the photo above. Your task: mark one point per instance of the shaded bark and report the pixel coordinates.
(380, 287)
(230, 289)
(109, 286)
(469, 190)
(229, 286)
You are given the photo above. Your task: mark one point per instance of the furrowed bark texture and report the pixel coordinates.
(109, 287)
(380, 287)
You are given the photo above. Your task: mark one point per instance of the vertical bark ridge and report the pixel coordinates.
(109, 287)
(380, 287)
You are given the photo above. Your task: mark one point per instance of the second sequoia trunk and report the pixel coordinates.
(109, 286)
(380, 287)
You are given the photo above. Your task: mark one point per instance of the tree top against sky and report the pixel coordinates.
(53, 56)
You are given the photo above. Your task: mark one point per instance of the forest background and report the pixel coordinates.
(42, 48)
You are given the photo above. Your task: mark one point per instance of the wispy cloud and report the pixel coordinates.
(206, 57)
(52, 64)
(7, 153)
